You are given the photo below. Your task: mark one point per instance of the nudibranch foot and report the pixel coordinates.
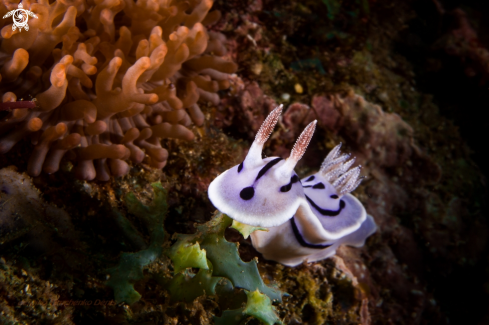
(288, 246)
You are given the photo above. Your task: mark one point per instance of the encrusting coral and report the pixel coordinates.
(110, 79)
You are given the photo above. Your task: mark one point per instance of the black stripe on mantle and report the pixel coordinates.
(301, 240)
(269, 165)
(324, 212)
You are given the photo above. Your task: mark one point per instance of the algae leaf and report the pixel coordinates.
(184, 255)
(187, 287)
(246, 230)
(258, 306)
(130, 268)
(225, 258)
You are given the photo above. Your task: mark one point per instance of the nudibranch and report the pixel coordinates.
(307, 219)
(262, 192)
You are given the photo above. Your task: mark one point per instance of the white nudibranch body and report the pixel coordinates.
(307, 219)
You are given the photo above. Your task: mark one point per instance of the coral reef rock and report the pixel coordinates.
(24, 213)
(110, 79)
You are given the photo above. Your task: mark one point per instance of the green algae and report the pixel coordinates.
(227, 263)
(258, 306)
(130, 268)
(246, 230)
(185, 255)
(217, 259)
(225, 258)
(186, 286)
(223, 265)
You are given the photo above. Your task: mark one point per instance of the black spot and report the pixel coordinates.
(319, 186)
(247, 193)
(310, 179)
(269, 165)
(295, 179)
(334, 196)
(240, 167)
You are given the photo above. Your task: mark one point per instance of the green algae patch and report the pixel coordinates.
(130, 268)
(223, 255)
(227, 263)
(184, 255)
(258, 305)
(225, 272)
(246, 230)
(221, 272)
(186, 287)
(225, 258)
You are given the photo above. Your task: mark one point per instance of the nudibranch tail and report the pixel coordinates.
(300, 146)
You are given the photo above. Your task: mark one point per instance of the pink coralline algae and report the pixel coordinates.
(379, 138)
(247, 110)
(110, 80)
